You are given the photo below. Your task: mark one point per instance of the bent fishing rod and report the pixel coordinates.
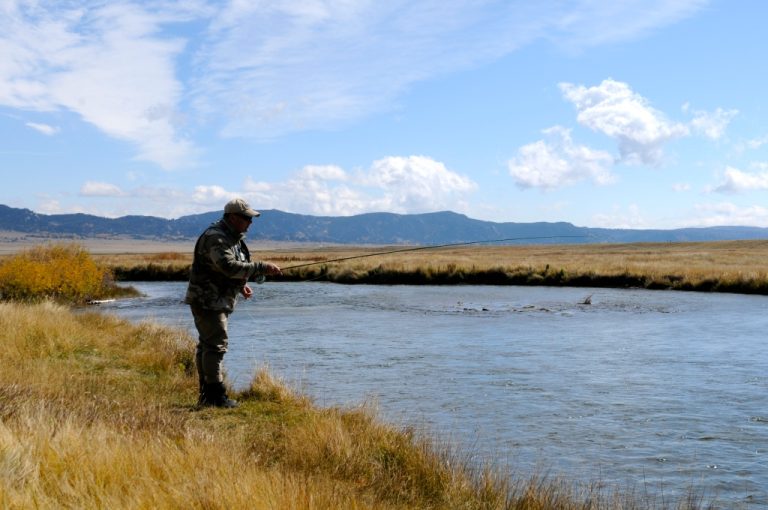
(430, 247)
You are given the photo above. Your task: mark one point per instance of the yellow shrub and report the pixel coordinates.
(64, 272)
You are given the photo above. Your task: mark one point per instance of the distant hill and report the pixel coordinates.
(372, 228)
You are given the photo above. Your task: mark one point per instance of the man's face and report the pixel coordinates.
(240, 222)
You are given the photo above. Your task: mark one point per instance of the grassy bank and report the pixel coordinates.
(726, 266)
(98, 413)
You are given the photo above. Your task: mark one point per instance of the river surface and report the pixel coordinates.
(659, 391)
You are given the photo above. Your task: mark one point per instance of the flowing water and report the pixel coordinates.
(658, 391)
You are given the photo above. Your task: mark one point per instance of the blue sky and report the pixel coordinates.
(634, 114)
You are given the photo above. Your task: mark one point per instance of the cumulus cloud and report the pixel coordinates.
(212, 195)
(398, 184)
(612, 108)
(558, 161)
(43, 128)
(736, 181)
(108, 63)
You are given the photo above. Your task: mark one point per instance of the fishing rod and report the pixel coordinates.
(429, 247)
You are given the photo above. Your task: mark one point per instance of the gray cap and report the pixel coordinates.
(240, 206)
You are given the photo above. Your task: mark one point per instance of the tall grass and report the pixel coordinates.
(63, 272)
(725, 266)
(98, 413)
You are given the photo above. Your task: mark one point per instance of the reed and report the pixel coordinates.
(725, 266)
(98, 413)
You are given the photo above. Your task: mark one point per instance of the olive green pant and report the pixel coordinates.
(211, 345)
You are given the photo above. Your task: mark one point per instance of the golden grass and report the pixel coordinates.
(738, 266)
(730, 266)
(97, 413)
(63, 272)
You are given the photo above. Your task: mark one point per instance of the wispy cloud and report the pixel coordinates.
(43, 128)
(726, 213)
(756, 143)
(622, 217)
(108, 63)
(292, 65)
(558, 161)
(264, 69)
(588, 23)
(100, 189)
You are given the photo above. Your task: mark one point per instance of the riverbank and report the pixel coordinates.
(97, 412)
(725, 266)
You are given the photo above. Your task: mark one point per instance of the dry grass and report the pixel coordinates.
(731, 266)
(739, 266)
(97, 413)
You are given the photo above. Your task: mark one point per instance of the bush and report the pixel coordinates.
(64, 273)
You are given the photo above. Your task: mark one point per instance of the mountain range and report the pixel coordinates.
(370, 228)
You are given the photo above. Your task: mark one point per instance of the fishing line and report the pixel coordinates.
(262, 278)
(429, 247)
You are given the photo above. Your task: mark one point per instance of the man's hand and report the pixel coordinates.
(272, 269)
(246, 291)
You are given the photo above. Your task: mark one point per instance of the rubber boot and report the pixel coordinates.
(202, 401)
(216, 396)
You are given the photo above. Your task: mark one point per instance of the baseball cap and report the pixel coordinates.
(240, 206)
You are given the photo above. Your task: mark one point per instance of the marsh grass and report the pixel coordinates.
(728, 266)
(724, 266)
(96, 412)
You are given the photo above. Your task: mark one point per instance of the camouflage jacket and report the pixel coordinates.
(220, 268)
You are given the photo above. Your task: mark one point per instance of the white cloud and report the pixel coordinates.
(106, 62)
(622, 217)
(291, 65)
(613, 109)
(756, 143)
(681, 187)
(212, 195)
(417, 183)
(590, 23)
(411, 184)
(263, 69)
(100, 189)
(43, 128)
(725, 213)
(712, 124)
(735, 181)
(559, 162)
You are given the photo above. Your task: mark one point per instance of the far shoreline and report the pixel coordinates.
(713, 266)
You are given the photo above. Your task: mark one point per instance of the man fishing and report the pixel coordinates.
(220, 271)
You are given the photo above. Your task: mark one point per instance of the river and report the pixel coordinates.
(660, 391)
